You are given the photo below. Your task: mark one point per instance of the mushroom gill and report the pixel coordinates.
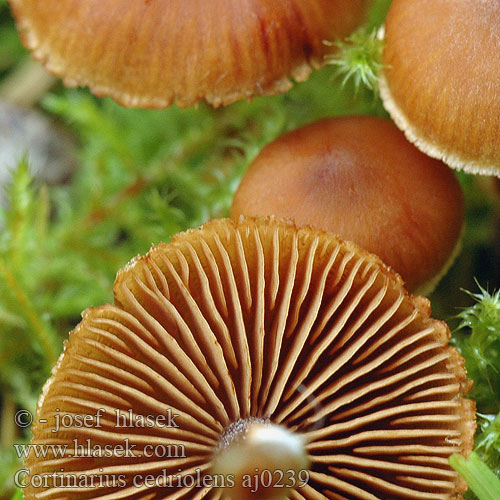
(153, 53)
(254, 347)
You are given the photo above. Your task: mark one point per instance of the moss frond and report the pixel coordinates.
(478, 338)
(358, 58)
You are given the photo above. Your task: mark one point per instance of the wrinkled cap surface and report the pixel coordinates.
(150, 53)
(256, 321)
(441, 81)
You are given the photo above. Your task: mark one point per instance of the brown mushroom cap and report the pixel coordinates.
(441, 82)
(359, 177)
(152, 53)
(257, 322)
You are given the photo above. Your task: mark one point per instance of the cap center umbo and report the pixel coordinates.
(259, 460)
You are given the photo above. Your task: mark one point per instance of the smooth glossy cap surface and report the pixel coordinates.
(255, 321)
(441, 82)
(151, 53)
(359, 178)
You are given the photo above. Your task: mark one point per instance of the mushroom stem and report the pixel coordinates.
(259, 459)
(26, 84)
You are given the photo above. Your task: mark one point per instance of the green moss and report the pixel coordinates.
(145, 175)
(358, 58)
(478, 339)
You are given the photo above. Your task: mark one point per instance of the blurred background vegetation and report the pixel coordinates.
(131, 178)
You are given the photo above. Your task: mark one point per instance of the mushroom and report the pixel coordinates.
(359, 177)
(254, 348)
(441, 82)
(152, 53)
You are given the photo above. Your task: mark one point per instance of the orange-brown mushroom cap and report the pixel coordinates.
(255, 331)
(150, 53)
(441, 80)
(359, 177)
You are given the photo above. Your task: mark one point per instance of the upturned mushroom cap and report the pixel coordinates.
(152, 53)
(441, 79)
(249, 333)
(359, 177)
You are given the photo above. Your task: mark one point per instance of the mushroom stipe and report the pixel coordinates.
(255, 325)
